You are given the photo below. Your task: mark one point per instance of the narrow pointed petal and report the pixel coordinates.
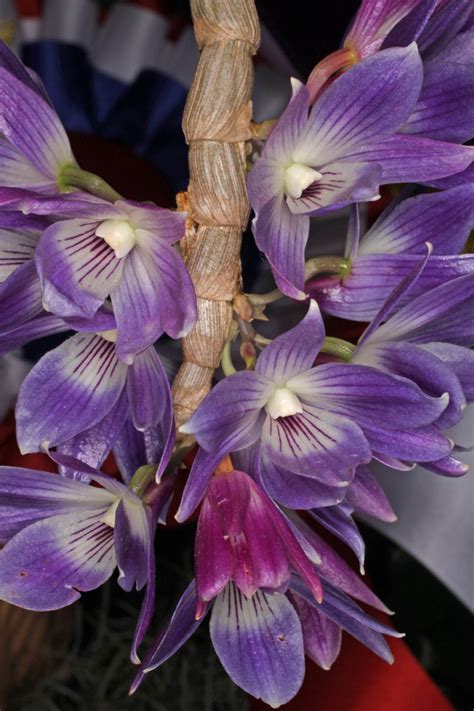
(460, 360)
(27, 496)
(155, 294)
(40, 326)
(213, 555)
(322, 637)
(447, 466)
(32, 126)
(373, 22)
(20, 297)
(133, 537)
(284, 137)
(365, 495)
(77, 269)
(444, 219)
(48, 564)
(293, 351)
(148, 389)
(423, 444)
(338, 520)
(178, 630)
(229, 416)
(259, 643)
(368, 102)
(69, 390)
(410, 159)
(409, 28)
(445, 23)
(197, 482)
(148, 566)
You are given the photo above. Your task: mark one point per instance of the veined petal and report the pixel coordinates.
(148, 389)
(78, 270)
(365, 495)
(228, 417)
(197, 482)
(17, 172)
(315, 444)
(282, 236)
(445, 23)
(373, 22)
(48, 564)
(151, 446)
(30, 123)
(338, 521)
(409, 28)
(460, 360)
(444, 219)
(40, 326)
(20, 297)
(322, 637)
(16, 248)
(155, 294)
(423, 444)
(134, 535)
(69, 390)
(294, 351)
(28, 495)
(410, 159)
(366, 395)
(259, 643)
(369, 101)
(284, 137)
(167, 225)
(214, 557)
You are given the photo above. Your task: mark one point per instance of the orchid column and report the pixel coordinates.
(216, 126)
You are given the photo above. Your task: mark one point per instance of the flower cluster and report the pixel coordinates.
(297, 429)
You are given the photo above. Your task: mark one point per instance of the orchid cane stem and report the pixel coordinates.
(216, 125)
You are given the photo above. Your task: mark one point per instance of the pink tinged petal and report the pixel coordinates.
(38, 327)
(214, 557)
(69, 390)
(294, 351)
(178, 630)
(230, 417)
(154, 295)
(365, 495)
(444, 219)
(315, 444)
(367, 396)
(259, 643)
(20, 297)
(148, 389)
(409, 28)
(460, 360)
(284, 137)
(442, 314)
(16, 248)
(410, 159)
(445, 108)
(373, 22)
(32, 126)
(415, 364)
(27, 496)
(368, 102)
(282, 237)
(322, 637)
(338, 521)
(77, 269)
(49, 563)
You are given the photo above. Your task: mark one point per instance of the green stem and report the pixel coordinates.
(338, 347)
(72, 176)
(226, 359)
(142, 478)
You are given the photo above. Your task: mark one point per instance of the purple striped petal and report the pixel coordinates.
(20, 297)
(293, 351)
(71, 389)
(230, 415)
(16, 248)
(368, 102)
(373, 22)
(411, 25)
(424, 444)
(148, 389)
(410, 159)
(197, 482)
(17, 172)
(367, 396)
(48, 564)
(43, 325)
(179, 629)
(338, 521)
(134, 535)
(444, 219)
(365, 495)
(259, 643)
(322, 637)
(32, 126)
(28, 495)
(445, 23)
(447, 466)
(147, 559)
(460, 361)
(155, 294)
(78, 270)
(315, 444)
(284, 137)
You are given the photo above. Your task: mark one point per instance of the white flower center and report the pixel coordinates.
(298, 177)
(109, 517)
(283, 403)
(110, 335)
(119, 234)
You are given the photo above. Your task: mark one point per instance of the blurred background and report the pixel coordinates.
(118, 75)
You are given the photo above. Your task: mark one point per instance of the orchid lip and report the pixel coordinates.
(110, 335)
(283, 403)
(298, 177)
(119, 234)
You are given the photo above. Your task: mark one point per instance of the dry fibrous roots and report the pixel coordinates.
(216, 125)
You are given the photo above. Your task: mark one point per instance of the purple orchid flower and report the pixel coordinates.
(392, 248)
(65, 537)
(122, 250)
(340, 154)
(34, 147)
(79, 395)
(262, 641)
(302, 424)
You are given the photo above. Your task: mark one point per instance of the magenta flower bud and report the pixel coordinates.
(242, 536)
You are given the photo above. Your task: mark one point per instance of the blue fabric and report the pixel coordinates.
(144, 116)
